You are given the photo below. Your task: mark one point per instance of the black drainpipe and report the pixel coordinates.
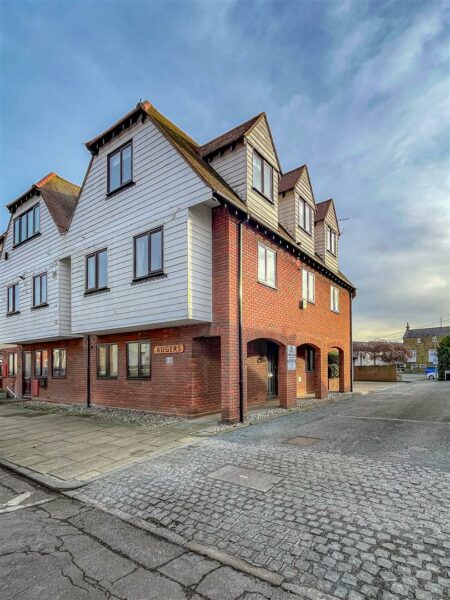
(241, 365)
(351, 342)
(88, 372)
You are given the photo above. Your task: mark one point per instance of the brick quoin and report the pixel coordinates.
(205, 377)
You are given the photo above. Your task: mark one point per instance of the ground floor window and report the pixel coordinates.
(41, 363)
(59, 363)
(12, 364)
(138, 360)
(310, 359)
(107, 360)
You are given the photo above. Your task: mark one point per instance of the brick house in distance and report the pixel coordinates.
(421, 345)
(180, 278)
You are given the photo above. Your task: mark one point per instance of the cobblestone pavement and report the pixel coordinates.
(361, 512)
(54, 548)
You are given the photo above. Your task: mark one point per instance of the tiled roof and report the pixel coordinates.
(321, 210)
(289, 180)
(189, 150)
(230, 137)
(60, 197)
(427, 332)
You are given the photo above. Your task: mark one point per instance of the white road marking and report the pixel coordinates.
(13, 508)
(16, 503)
(392, 419)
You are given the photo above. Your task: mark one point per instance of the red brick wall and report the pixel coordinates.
(71, 389)
(10, 382)
(256, 374)
(188, 386)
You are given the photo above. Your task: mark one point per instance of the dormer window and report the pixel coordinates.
(26, 225)
(262, 176)
(120, 168)
(305, 215)
(331, 240)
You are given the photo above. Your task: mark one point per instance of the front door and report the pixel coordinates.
(272, 370)
(26, 391)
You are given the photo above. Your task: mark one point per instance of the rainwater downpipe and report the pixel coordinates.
(240, 344)
(88, 373)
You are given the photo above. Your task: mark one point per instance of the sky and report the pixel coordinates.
(358, 90)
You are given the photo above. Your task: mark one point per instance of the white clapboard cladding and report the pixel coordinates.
(165, 189)
(231, 164)
(200, 263)
(38, 255)
(259, 139)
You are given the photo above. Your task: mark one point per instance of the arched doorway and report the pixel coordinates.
(262, 371)
(308, 371)
(336, 370)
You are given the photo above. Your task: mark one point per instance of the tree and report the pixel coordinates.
(333, 365)
(443, 353)
(387, 352)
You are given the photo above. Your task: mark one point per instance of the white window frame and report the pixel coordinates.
(412, 358)
(260, 186)
(334, 298)
(308, 286)
(419, 340)
(331, 240)
(305, 209)
(263, 276)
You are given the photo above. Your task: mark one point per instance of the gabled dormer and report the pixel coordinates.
(327, 233)
(247, 160)
(297, 207)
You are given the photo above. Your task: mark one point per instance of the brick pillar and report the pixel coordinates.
(287, 381)
(345, 371)
(321, 373)
(229, 376)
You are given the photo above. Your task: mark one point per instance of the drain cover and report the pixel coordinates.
(302, 441)
(249, 478)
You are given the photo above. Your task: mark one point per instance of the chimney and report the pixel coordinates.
(407, 326)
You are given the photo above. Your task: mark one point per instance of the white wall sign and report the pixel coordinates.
(291, 358)
(432, 357)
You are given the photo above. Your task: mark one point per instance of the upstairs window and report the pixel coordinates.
(419, 340)
(12, 364)
(107, 360)
(138, 360)
(120, 167)
(13, 298)
(308, 286)
(148, 254)
(262, 176)
(96, 270)
(267, 270)
(27, 225)
(310, 359)
(305, 215)
(59, 364)
(331, 240)
(40, 290)
(41, 363)
(334, 298)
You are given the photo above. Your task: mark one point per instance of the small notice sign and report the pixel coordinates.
(291, 358)
(169, 349)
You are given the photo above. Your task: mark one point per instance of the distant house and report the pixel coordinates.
(421, 345)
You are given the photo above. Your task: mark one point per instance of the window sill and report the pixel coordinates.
(336, 312)
(32, 237)
(308, 301)
(59, 376)
(263, 195)
(45, 305)
(332, 253)
(305, 230)
(120, 189)
(139, 378)
(11, 314)
(107, 377)
(267, 285)
(96, 291)
(158, 275)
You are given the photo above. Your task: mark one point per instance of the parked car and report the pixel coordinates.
(431, 373)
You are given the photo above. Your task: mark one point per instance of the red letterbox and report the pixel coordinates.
(35, 387)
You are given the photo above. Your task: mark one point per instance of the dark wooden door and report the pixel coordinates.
(272, 370)
(26, 390)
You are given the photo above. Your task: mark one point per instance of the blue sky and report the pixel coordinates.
(358, 90)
